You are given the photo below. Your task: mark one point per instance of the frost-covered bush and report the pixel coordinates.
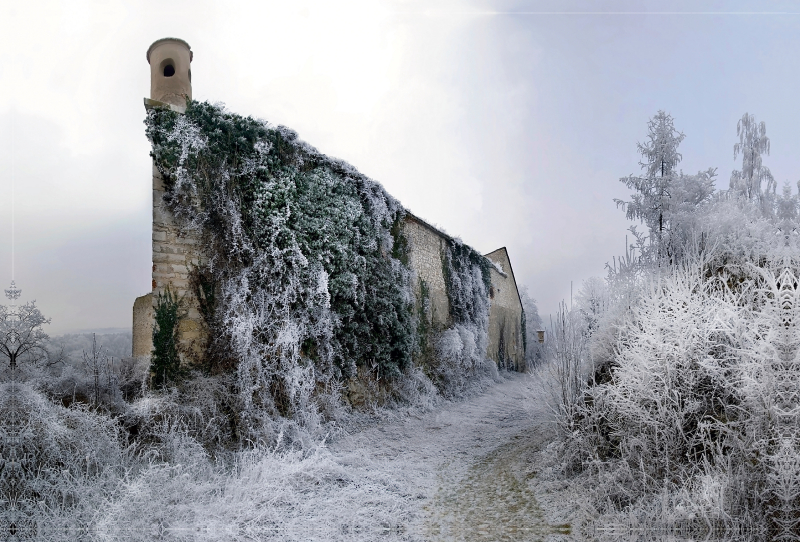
(456, 359)
(90, 377)
(568, 365)
(701, 380)
(72, 474)
(58, 463)
(689, 421)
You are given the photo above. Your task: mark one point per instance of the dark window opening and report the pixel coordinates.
(169, 70)
(190, 75)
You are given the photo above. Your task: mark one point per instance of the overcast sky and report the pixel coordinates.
(504, 123)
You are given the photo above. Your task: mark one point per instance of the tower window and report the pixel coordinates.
(169, 70)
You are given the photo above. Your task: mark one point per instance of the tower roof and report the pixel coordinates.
(162, 40)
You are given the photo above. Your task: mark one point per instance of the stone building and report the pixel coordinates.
(175, 251)
(506, 345)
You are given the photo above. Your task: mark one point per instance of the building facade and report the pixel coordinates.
(176, 251)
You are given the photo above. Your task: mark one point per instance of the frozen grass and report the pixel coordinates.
(264, 495)
(86, 478)
(76, 480)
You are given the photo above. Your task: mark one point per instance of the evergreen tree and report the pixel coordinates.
(165, 360)
(651, 200)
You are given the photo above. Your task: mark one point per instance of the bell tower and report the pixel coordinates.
(175, 252)
(170, 62)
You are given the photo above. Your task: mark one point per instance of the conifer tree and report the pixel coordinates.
(650, 202)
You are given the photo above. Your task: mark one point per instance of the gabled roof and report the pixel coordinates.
(510, 268)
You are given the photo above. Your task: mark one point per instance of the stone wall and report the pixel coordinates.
(425, 247)
(175, 252)
(143, 326)
(505, 315)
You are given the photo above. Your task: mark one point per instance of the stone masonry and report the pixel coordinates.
(425, 244)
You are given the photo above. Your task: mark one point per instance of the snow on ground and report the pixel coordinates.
(468, 467)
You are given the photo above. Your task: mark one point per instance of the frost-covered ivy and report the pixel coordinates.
(460, 350)
(468, 280)
(299, 245)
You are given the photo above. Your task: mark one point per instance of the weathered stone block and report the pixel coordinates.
(162, 257)
(180, 269)
(143, 326)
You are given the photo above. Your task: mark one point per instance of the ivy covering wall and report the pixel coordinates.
(305, 274)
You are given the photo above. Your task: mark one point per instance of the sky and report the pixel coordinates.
(503, 123)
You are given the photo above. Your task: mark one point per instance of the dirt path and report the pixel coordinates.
(468, 464)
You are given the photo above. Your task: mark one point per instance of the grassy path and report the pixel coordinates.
(467, 464)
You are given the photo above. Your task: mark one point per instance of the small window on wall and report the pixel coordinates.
(491, 292)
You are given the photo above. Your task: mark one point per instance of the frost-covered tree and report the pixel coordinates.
(592, 302)
(650, 201)
(534, 351)
(787, 204)
(98, 365)
(21, 333)
(753, 142)
(664, 196)
(165, 361)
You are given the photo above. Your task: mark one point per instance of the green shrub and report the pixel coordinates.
(165, 361)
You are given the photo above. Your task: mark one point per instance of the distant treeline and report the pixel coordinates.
(116, 345)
